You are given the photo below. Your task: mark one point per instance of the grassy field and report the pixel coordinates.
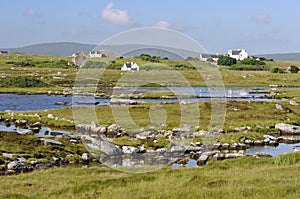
(57, 74)
(242, 178)
(260, 116)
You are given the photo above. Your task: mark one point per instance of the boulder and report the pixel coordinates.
(18, 166)
(20, 123)
(262, 155)
(36, 125)
(109, 148)
(178, 149)
(130, 149)
(288, 128)
(51, 142)
(202, 160)
(233, 155)
(85, 157)
(293, 103)
(25, 132)
(278, 107)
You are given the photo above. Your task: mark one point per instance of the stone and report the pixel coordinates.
(130, 149)
(293, 103)
(233, 155)
(178, 149)
(25, 132)
(36, 125)
(202, 160)
(20, 123)
(18, 166)
(288, 128)
(109, 148)
(262, 155)
(258, 143)
(85, 157)
(225, 146)
(278, 107)
(51, 142)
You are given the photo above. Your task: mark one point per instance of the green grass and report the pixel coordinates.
(260, 116)
(241, 178)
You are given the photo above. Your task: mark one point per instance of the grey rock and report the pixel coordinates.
(25, 132)
(262, 155)
(292, 102)
(85, 157)
(288, 128)
(109, 148)
(130, 149)
(51, 142)
(202, 160)
(278, 107)
(233, 155)
(178, 149)
(18, 166)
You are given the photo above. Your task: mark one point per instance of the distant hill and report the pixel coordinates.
(68, 48)
(281, 56)
(53, 49)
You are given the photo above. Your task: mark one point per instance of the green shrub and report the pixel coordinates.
(251, 61)
(22, 82)
(294, 69)
(277, 70)
(226, 61)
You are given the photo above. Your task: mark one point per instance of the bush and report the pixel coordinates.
(251, 61)
(294, 69)
(226, 61)
(277, 70)
(22, 82)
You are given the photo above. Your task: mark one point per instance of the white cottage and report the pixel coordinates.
(96, 54)
(130, 66)
(239, 54)
(3, 52)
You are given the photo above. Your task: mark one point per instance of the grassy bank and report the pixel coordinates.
(260, 116)
(241, 178)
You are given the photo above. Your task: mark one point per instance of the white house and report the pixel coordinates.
(214, 57)
(239, 54)
(3, 52)
(130, 66)
(96, 54)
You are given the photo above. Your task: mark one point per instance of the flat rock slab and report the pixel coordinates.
(288, 128)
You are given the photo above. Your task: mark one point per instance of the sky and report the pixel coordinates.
(259, 26)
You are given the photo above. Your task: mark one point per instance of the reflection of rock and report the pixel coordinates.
(51, 142)
(288, 128)
(25, 132)
(109, 148)
(262, 155)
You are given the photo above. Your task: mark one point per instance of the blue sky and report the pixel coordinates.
(260, 26)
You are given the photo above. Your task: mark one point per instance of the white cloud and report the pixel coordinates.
(115, 16)
(31, 13)
(165, 24)
(261, 18)
(162, 24)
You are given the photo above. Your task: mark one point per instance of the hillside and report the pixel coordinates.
(68, 48)
(281, 56)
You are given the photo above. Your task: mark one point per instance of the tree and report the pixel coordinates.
(294, 69)
(226, 61)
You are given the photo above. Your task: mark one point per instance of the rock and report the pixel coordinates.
(202, 160)
(262, 155)
(296, 148)
(113, 130)
(233, 155)
(8, 155)
(289, 140)
(51, 142)
(278, 107)
(85, 157)
(258, 143)
(288, 128)
(225, 146)
(178, 149)
(25, 132)
(233, 146)
(219, 156)
(36, 125)
(18, 166)
(292, 102)
(109, 148)
(50, 116)
(20, 123)
(130, 149)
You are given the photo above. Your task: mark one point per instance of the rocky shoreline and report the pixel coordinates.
(100, 148)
